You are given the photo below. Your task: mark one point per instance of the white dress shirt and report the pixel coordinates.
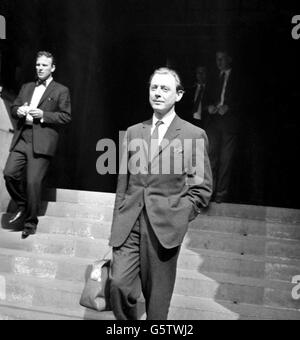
(36, 98)
(163, 128)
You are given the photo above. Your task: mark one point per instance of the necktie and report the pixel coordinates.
(154, 141)
(198, 99)
(221, 86)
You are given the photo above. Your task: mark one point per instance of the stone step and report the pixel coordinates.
(55, 244)
(243, 245)
(196, 308)
(80, 227)
(64, 296)
(96, 211)
(195, 241)
(18, 312)
(97, 228)
(236, 290)
(104, 212)
(271, 214)
(189, 282)
(209, 260)
(75, 196)
(240, 266)
(247, 227)
(65, 267)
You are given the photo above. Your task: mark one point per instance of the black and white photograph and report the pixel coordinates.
(148, 162)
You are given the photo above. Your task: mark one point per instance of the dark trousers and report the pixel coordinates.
(222, 147)
(24, 174)
(142, 264)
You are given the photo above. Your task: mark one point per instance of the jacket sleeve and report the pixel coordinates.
(123, 176)
(199, 177)
(17, 103)
(63, 114)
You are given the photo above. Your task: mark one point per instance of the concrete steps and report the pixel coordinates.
(227, 287)
(208, 260)
(263, 213)
(237, 262)
(97, 228)
(86, 242)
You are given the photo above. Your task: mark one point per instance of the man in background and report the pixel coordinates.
(40, 109)
(195, 99)
(222, 124)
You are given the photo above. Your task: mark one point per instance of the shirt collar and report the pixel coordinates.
(167, 120)
(227, 72)
(49, 80)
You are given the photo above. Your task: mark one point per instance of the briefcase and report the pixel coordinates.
(96, 292)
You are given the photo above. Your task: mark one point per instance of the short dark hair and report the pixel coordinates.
(167, 70)
(48, 55)
(227, 53)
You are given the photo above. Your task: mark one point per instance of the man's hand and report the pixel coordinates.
(23, 110)
(212, 109)
(223, 110)
(36, 113)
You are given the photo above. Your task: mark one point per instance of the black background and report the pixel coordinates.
(106, 51)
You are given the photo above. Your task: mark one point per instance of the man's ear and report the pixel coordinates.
(180, 94)
(53, 68)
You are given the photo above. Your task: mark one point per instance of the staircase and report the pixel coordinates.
(237, 262)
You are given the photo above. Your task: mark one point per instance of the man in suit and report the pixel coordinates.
(222, 125)
(165, 179)
(195, 101)
(40, 109)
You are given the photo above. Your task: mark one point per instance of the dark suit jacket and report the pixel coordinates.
(56, 105)
(171, 200)
(230, 121)
(187, 104)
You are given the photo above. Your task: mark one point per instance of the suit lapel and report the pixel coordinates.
(146, 134)
(46, 94)
(172, 132)
(29, 95)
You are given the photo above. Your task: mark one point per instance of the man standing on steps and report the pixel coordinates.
(155, 201)
(40, 108)
(222, 125)
(195, 101)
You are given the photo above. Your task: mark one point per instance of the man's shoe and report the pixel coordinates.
(28, 230)
(18, 216)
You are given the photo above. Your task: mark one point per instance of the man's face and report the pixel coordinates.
(163, 94)
(201, 75)
(223, 61)
(44, 67)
